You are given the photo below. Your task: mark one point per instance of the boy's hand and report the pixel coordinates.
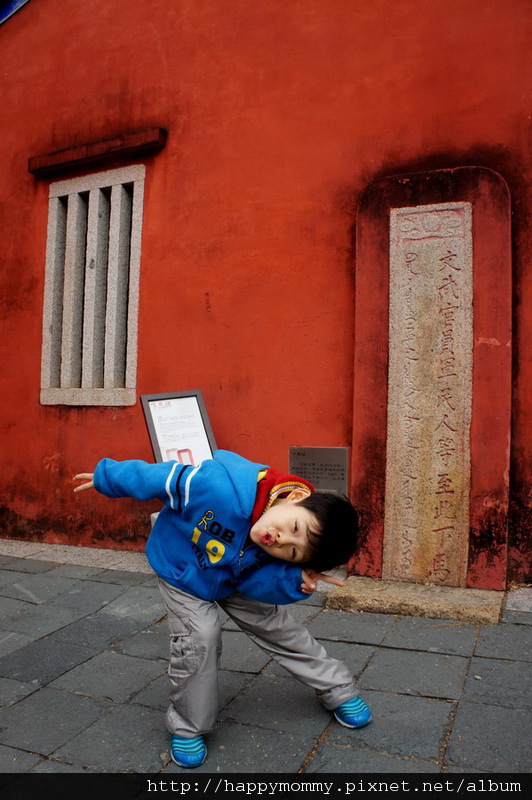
(84, 476)
(311, 578)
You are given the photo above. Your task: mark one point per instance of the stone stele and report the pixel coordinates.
(429, 394)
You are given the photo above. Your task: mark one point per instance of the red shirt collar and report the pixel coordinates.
(272, 484)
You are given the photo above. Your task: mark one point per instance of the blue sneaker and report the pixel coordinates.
(188, 752)
(353, 713)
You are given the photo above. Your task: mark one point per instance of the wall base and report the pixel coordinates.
(417, 600)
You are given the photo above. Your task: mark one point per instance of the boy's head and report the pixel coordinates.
(314, 529)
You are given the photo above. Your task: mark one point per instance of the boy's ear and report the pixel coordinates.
(297, 494)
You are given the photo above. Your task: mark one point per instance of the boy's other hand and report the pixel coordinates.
(84, 476)
(311, 578)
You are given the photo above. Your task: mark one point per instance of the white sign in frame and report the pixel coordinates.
(179, 427)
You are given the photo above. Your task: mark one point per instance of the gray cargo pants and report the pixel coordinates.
(196, 645)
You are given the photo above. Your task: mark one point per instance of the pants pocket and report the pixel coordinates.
(183, 657)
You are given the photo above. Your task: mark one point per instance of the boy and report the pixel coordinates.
(248, 538)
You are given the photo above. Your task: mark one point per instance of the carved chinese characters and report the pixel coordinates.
(429, 394)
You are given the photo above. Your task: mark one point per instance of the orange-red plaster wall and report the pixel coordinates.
(278, 114)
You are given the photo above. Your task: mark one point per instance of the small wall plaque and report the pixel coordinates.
(325, 467)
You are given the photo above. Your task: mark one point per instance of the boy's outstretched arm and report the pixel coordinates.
(311, 578)
(168, 481)
(88, 477)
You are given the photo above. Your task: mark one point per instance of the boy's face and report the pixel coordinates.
(283, 530)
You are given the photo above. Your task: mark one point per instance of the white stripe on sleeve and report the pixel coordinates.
(167, 485)
(187, 485)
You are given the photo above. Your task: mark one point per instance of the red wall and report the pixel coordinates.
(278, 115)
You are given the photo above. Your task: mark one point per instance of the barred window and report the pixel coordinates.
(89, 354)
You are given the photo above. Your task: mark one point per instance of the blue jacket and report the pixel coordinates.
(199, 542)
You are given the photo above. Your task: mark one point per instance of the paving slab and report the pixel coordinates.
(11, 691)
(122, 577)
(413, 599)
(9, 641)
(413, 727)
(517, 617)
(505, 641)
(234, 748)
(10, 607)
(432, 635)
(50, 766)
(304, 612)
(152, 643)
(7, 577)
(130, 738)
(227, 623)
(12, 760)
(365, 628)
(281, 704)
(98, 630)
(231, 684)
(46, 720)
(110, 676)
(32, 566)
(140, 603)
(155, 695)
(409, 672)
(354, 762)
(490, 738)
(457, 770)
(87, 595)
(150, 580)
(319, 597)
(77, 571)
(37, 621)
(42, 660)
(240, 654)
(37, 589)
(498, 682)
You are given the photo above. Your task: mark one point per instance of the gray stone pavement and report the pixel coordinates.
(83, 686)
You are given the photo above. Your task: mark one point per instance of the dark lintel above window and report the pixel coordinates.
(91, 154)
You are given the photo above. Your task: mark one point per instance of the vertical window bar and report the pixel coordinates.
(53, 293)
(137, 190)
(95, 289)
(117, 287)
(76, 236)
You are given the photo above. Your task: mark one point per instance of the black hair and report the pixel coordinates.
(335, 541)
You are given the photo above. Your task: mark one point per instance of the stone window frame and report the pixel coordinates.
(90, 315)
